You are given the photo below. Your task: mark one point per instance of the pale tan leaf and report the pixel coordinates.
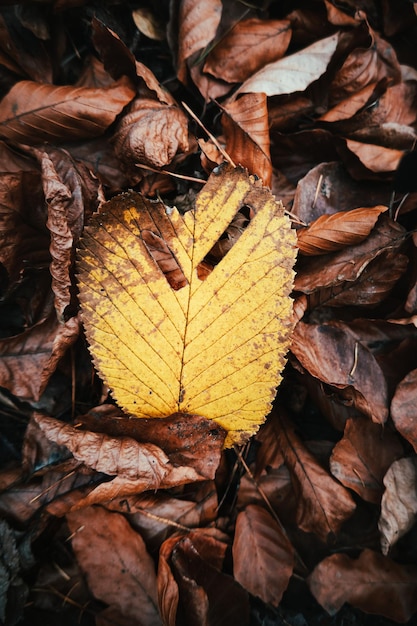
(399, 502)
(294, 72)
(339, 230)
(263, 557)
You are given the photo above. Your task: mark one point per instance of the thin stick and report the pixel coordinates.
(316, 195)
(183, 177)
(212, 137)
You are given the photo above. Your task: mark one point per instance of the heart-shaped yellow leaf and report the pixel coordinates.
(165, 340)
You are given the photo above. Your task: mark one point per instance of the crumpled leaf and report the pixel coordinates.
(249, 45)
(323, 504)
(163, 350)
(246, 130)
(35, 112)
(332, 353)
(293, 72)
(333, 232)
(151, 133)
(404, 409)
(29, 359)
(361, 458)
(399, 502)
(263, 557)
(373, 583)
(119, 570)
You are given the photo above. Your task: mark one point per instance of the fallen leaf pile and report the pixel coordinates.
(130, 491)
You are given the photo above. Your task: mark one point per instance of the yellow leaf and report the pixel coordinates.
(166, 341)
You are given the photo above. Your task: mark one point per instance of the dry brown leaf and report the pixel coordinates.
(332, 353)
(323, 503)
(151, 133)
(348, 107)
(295, 71)
(198, 22)
(33, 112)
(373, 583)
(123, 576)
(168, 592)
(247, 47)
(361, 458)
(147, 23)
(276, 486)
(333, 232)
(399, 502)
(347, 265)
(375, 158)
(122, 456)
(246, 130)
(263, 557)
(404, 408)
(29, 359)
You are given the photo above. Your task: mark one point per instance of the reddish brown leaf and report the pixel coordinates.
(375, 158)
(372, 583)
(361, 458)
(347, 265)
(168, 592)
(248, 46)
(123, 576)
(198, 24)
(29, 359)
(245, 127)
(333, 232)
(404, 408)
(263, 557)
(323, 504)
(399, 502)
(151, 133)
(34, 112)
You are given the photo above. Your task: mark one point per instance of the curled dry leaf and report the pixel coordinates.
(32, 112)
(404, 409)
(246, 131)
(331, 353)
(399, 502)
(198, 25)
(323, 503)
(263, 557)
(163, 350)
(114, 456)
(372, 583)
(294, 72)
(361, 458)
(151, 133)
(247, 47)
(29, 359)
(333, 232)
(129, 583)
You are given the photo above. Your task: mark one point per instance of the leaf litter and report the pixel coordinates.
(321, 500)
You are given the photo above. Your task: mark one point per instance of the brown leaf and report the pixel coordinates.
(331, 353)
(263, 557)
(361, 458)
(347, 265)
(373, 583)
(247, 47)
(246, 130)
(333, 232)
(276, 486)
(399, 502)
(151, 133)
(323, 504)
(269, 454)
(375, 158)
(123, 456)
(404, 409)
(123, 576)
(30, 358)
(34, 112)
(198, 23)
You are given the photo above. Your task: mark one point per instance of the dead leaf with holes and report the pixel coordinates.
(166, 341)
